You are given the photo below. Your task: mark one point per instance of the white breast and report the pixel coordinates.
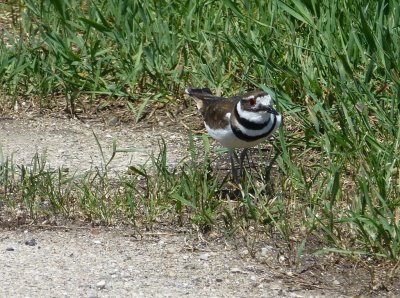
(228, 139)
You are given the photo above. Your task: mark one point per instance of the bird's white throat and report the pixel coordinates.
(256, 116)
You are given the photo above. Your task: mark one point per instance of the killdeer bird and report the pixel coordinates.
(238, 122)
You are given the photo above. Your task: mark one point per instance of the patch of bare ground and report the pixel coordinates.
(76, 144)
(108, 262)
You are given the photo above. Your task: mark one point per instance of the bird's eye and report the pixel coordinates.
(252, 101)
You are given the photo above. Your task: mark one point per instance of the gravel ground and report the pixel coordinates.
(111, 263)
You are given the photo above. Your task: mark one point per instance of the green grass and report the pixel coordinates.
(333, 68)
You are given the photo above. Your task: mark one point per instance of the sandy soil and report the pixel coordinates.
(111, 263)
(71, 143)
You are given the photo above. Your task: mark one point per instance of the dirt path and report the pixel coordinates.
(100, 263)
(71, 144)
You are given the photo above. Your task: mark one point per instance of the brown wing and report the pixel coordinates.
(214, 112)
(213, 108)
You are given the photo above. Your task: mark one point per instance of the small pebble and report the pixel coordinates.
(281, 259)
(275, 286)
(191, 266)
(264, 251)
(204, 257)
(114, 121)
(125, 274)
(171, 273)
(31, 242)
(336, 282)
(244, 252)
(113, 272)
(101, 284)
(171, 250)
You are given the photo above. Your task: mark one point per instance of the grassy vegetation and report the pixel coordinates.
(333, 68)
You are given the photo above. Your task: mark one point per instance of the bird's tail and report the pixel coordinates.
(199, 95)
(198, 91)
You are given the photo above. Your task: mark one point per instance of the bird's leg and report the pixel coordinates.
(243, 155)
(233, 168)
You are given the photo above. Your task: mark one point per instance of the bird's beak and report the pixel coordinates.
(270, 110)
